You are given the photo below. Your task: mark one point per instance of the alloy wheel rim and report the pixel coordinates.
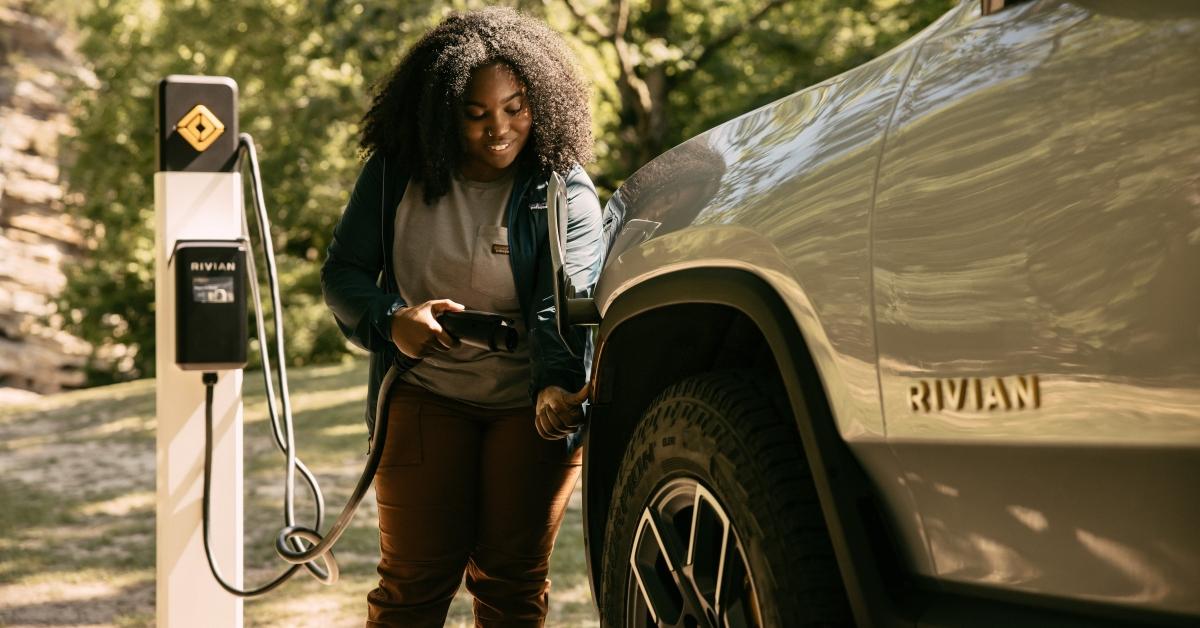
(688, 567)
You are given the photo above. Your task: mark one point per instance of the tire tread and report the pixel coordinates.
(737, 412)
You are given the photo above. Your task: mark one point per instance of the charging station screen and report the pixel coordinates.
(210, 304)
(212, 289)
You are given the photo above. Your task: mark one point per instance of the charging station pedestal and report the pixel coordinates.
(197, 196)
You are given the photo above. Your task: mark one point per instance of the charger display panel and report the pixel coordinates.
(210, 302)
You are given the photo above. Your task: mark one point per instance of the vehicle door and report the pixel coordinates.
(1036, 267)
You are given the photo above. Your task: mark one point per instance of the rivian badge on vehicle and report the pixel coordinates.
(1019, 392)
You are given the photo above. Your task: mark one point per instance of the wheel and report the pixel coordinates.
(714, 519)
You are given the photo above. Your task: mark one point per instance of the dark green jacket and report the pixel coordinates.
(360, 286)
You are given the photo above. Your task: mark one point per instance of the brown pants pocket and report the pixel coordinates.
(403, 446)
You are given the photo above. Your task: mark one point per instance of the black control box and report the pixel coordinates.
(210, 304)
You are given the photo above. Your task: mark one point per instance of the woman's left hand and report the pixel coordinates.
(558, 412)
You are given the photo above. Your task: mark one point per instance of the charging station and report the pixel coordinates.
(205, 283)
(198, 218)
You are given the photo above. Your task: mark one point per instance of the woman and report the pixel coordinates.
(449, 212)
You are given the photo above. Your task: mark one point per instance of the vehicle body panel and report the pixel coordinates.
(1007, 196)
(1038, 214)
(793, 186)
(795, 183)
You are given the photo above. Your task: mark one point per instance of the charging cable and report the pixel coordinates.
(281, 430)
(210, 379)
(290, 544)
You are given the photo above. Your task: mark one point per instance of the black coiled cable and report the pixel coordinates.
(290, 544)
(323, 545)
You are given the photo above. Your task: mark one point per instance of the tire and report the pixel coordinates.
(712, 449)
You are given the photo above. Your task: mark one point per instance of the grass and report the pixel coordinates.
(77, 509)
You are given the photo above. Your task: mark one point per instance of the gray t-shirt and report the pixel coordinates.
(457, 249)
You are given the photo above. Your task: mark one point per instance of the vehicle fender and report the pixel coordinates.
(753, 290)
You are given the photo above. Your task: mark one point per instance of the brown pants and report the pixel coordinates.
(464, 489)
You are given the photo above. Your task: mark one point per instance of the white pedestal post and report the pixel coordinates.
(194, 205)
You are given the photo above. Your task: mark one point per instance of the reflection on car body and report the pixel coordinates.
(970, 269)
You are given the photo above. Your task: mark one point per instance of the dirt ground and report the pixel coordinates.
(77, 509)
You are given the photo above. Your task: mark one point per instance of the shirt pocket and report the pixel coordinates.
(491, 270)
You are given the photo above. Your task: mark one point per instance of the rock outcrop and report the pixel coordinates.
(38, 69)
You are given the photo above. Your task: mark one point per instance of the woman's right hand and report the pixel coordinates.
(416, 332)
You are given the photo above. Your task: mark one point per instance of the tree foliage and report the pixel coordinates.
(303, 70)
(662, 71)
(675, 68)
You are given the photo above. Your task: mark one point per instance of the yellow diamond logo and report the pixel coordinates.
(200, 127)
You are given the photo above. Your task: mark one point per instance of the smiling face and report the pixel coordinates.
(495, 122)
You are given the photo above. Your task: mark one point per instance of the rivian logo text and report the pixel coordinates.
(1019, 392)
(208, 267)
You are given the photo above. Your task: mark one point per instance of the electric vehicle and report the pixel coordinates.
(917, 345)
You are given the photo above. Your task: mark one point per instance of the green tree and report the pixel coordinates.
(679, 67)
(663, 70)
(303, 70)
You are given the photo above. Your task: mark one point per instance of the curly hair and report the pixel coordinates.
(414, 116)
